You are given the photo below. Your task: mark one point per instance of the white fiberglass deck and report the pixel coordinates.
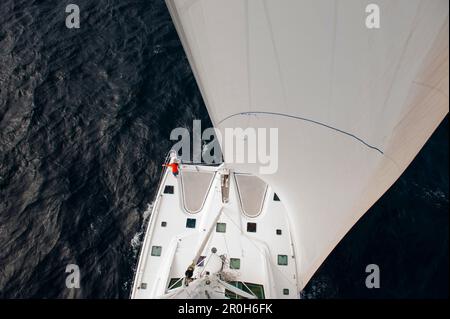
(253, 247)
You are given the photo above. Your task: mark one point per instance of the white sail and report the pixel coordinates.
(353, 105)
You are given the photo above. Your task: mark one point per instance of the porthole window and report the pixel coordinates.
(285, 291)
(278, 231)
(163, 224)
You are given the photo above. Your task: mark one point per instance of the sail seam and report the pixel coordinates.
(277, 56)
(306, 120)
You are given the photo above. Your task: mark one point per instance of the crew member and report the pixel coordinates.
(173, 167)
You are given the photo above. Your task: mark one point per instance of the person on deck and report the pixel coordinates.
(173, 167)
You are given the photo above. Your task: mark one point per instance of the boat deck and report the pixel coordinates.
(245, 224)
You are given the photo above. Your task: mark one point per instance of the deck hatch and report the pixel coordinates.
(190, 222)
(169, 189)
(282, 260)
(221, 227)
(195, 187)
(252, 192)
(251, 227)
(156, 251)
(235, 263)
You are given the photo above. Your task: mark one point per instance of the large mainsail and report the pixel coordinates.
(353, 105)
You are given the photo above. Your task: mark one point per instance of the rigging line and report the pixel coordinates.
(175, 283)
(249, 290)
(206, 264)
(260, 251)
(306, 120)
(226, 244)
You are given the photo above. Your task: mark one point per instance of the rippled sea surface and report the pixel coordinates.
(85, 118)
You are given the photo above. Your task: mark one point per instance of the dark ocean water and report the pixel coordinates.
(85, 118)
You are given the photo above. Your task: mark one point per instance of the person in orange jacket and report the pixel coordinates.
(173, 167)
